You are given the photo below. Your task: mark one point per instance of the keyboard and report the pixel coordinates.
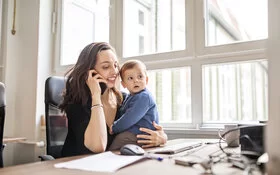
(173, 149)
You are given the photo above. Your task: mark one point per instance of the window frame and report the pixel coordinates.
(195, 55)
(1, 43)
(57, 27)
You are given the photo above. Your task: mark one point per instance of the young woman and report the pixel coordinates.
(91, 107)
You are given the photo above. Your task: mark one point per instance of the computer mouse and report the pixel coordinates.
(132, 150)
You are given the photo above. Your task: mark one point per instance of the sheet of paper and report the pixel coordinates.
(103, 162)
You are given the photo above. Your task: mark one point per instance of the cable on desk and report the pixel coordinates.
(243, 136)
(248, 165)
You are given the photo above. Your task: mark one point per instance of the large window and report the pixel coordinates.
(229, 21)
(172, 90)
(82, 22)
(160, 22)
(206, 58)
(235, 91)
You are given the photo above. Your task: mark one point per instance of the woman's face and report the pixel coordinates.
(107, 66)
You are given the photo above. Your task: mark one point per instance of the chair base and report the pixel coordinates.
(46, 157)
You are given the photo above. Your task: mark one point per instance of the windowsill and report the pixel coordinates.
(204, 131)
(196, 132)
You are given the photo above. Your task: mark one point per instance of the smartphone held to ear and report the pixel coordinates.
(102, 85)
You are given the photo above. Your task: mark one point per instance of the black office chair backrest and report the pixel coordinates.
(2, 120)
(56, 122)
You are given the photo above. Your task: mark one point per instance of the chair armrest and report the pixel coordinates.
(46, 157)
(2, 147)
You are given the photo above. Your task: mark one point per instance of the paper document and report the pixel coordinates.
(103, 162)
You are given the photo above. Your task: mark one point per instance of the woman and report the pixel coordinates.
(90, 110)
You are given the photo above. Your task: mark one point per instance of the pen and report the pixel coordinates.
(149, 156)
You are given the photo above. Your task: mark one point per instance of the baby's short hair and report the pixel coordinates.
(131, 64)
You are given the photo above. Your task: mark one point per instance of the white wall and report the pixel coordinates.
(27, 63)
(273, 51)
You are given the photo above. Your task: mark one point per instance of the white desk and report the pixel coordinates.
(147, 167)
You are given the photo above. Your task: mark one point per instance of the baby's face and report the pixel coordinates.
(135, 79)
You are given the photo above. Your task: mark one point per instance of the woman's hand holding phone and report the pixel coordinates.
(96, 82)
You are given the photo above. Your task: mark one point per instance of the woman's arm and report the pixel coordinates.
(96, 132)
(95, 137)
(154, 138)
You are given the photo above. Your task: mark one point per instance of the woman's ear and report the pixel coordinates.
(147, 79)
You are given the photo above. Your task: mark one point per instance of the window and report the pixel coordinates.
(82, 22)
(141, 44)
(206, 61)
(229, 21)
(172, 90)
(163, 25)
(235, 91)
(141, 17)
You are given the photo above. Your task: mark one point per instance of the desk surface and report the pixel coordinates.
(167, 166)
(13, 139)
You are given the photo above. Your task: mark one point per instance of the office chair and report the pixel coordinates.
(56, 122)
(2, 120)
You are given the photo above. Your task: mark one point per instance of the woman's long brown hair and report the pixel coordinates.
(77, 90)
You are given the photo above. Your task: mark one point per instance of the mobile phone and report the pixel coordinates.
(187, 160)
(102, 85)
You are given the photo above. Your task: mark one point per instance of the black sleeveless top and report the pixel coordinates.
(78, 118)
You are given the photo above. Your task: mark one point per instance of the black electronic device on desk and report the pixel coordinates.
(252, 139)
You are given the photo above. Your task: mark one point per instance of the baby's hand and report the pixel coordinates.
(111, 130)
